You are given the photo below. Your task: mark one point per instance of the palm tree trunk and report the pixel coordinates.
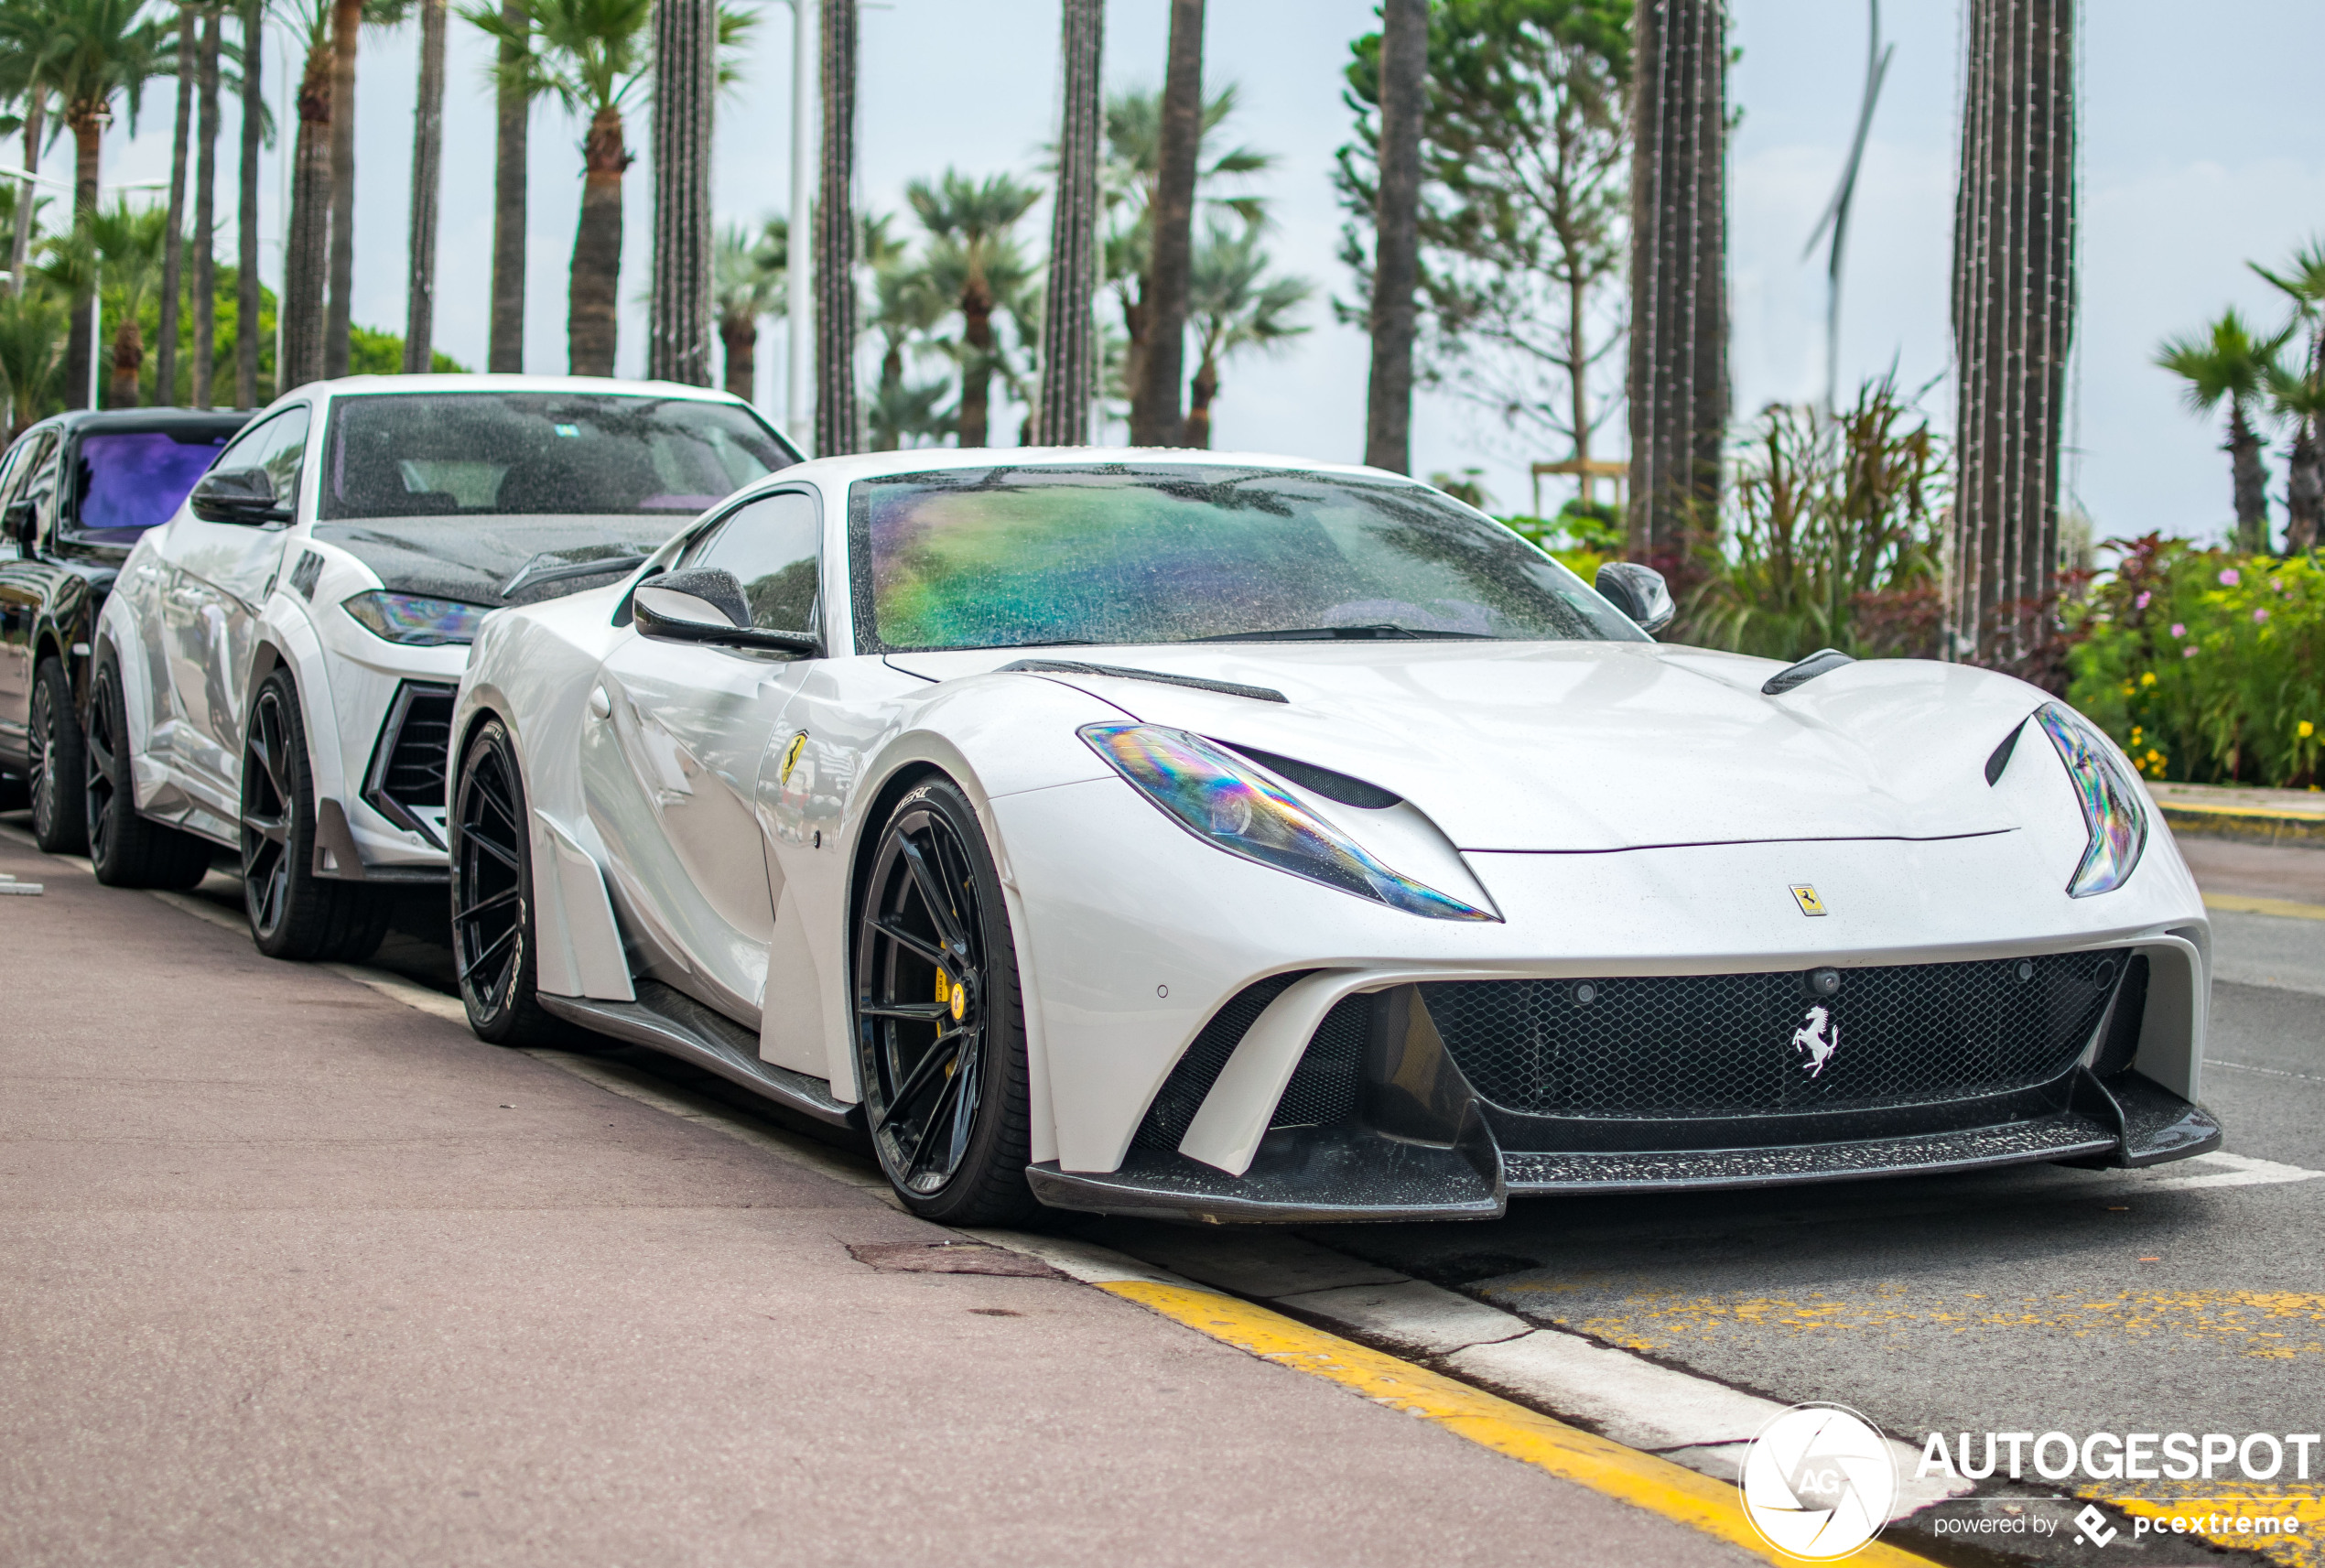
(504, 352)
(206, 217)
(1155, 406)
(1396, 267)
(1200, 393)
(88, 141)
(427, 160)
(246, 301)
(2014, 296)
(173, 238)
(35, 127)
(1678, 276)
(596, 277)
(128, 360)
(678, 309)
(1069, 320)
(347, 21)
(977, 367)
(307, 258)
(838, 427)
(2305, 491)
(2252, 483)
(741, 336)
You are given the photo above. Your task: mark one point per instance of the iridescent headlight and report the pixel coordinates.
(1224, 802)
(415, 620)
(2114, 810)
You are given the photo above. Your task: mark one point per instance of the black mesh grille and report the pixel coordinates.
(1323, 1089)
(1183, 1092)
(415, 771)
(1745, 1044)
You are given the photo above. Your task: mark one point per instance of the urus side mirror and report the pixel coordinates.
(1638, 592)
(237, 495)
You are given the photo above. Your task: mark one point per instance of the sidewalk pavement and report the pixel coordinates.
(2279, 816)
(295, 1275)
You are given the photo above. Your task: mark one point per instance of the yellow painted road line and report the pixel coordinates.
(2287, 907)
(2262, 813)
(1642, 1480)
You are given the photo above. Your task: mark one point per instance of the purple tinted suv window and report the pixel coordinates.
(131, 479)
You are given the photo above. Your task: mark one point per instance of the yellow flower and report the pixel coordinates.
(2306, 730)
(2148, 677)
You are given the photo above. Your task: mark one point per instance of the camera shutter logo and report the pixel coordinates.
(1819, 1481)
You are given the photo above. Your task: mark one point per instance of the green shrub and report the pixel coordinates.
(2205, 665)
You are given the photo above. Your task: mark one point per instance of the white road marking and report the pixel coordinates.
(419, 997)
(200, 909)
(2242, 1172)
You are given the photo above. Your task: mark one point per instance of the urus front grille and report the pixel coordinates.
(1720, 1045)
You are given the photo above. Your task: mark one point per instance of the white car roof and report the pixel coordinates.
(837, 471)
(373, 386)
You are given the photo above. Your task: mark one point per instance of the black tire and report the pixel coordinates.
(492, 941)
(944, 1079)
(294, 914)
(125, 850)
(58, 775)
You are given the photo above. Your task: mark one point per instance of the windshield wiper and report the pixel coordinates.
(1337, 635)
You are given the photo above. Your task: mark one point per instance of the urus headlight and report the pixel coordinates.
(2114, 811)
(1224, 802)
(415, 620)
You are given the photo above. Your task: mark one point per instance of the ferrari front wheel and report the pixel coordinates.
(939, 1025)
(492, 941)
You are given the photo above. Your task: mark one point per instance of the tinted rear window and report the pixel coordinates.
(131, 479)
(499, 453)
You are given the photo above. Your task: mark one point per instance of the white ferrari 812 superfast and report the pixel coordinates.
(1225, 838)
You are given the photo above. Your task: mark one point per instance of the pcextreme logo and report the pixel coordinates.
(1819, 1481)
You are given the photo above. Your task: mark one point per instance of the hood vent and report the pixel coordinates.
(1321, 781)
(1076, 667)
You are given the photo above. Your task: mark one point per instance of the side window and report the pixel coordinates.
(16, 465)
(40, 482)
(278, 446)
(772, 546)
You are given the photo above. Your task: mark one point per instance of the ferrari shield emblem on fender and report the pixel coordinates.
(1805, 896)
(791, 759)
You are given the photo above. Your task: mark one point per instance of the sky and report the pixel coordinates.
(2202, 147)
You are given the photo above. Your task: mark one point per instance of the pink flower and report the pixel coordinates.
(2228, 577)
(2178, 629)
(2141, 602)
(2260, 614)
(2187, 652)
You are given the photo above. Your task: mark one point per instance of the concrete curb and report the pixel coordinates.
(2252, 824)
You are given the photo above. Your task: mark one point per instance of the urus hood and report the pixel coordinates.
(1589, 746)
(467, 558)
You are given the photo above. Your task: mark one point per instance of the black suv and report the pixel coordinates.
(76, 489)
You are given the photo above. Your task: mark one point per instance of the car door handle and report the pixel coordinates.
(600, 705)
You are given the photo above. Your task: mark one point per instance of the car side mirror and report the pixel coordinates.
(1638, 592)
(245, 496)
(704, 604)
(19, 525)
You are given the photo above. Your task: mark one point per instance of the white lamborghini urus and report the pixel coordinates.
(1215, 836)
(275, 670)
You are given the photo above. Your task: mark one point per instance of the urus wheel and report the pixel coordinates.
(493, 942)
(939, 1027)
(53, 743)
(125, 850)
(294, 914)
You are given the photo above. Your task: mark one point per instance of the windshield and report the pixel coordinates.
(131, 479)
(1162, 553)
(498, 453)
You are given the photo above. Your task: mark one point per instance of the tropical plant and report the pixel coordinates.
(1155, 395)
(1233, 306)
(307, 254)
(427, 183)
(2228, 365)
(515, 87)
(249, 304)
(747, 281)
(32, 341)
(907, 306)
(128, 243)
(1524, 217)
(2299, 398)
(186, 51)
(1069, 321)
(974, 262)
(89, 53)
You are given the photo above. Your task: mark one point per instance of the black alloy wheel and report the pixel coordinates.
(492, 940)
(939, 1026)
(294, 914)
(127, 850)
(53, 745)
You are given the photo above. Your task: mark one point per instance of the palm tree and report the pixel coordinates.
(128, 243)
(427, 157)
(21, 81)
(975, 262)
(252, 23)
(1154, 401)
(1233, 306)
(89, 52)
(32, 338)
(1396, 268)
(907, 304)
(205, 211)
(834, 244)
(682, 296)
(1069, 322)
(2301, 398)
(188, 55)
(2227, 364)
(747, 281)
(307, 257)
(516, 88)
